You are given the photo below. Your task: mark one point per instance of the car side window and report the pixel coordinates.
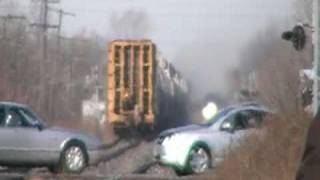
(229, 123)
(2, 116)
(255, 118)
(239, 121)
(14, 119)
(27, 115)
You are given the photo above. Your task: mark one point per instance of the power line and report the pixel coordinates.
(62, 14)
(208, 13)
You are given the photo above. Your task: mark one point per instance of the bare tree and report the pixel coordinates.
(19, 72)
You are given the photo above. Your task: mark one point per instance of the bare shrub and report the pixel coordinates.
(274, 155)
(275, 152)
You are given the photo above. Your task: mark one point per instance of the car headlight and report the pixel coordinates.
(166, 140)
(175, 142)
(174, 139)
(175, 148)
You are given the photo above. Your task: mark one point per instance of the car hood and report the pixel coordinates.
(193, 127)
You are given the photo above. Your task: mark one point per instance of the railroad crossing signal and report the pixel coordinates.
(297, 36)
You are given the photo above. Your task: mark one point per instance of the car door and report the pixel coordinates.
(221, 136)
(22, 143)
(245, 123)
(236, 126)
(255, 121)
(218, 142)
(5, 138)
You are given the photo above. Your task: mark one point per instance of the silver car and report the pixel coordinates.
(195, 148)
(27, 141)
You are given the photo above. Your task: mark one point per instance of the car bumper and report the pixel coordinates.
(165, 159)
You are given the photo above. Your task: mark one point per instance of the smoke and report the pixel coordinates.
(209, 58)
(131, 24)
(206, 63)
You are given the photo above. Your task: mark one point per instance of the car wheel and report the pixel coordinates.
(73, 159)
(180, 172)
(53, 169)
(199, 160)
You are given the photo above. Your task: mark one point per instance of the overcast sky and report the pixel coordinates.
(203, 38)
(209, 32)
(176, 22)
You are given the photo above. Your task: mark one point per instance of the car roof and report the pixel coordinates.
(236, 108)
(255, 105)
(12, 104)
(243, 107)
(250, 103)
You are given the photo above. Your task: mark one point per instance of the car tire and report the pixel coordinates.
(199, 160)
(74, 159)
(181, 172)
(53, 169)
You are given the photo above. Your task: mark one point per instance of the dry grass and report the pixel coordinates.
(275, 156)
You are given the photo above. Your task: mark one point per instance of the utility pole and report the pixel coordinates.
(61, 14)
(44, 26)
(316, 54)
(45, 30)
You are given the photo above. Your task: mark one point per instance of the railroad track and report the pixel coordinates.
(109, 156)
(144, 168)
(139, 173)
(112, 144)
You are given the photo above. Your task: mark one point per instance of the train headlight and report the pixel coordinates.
(209, 110)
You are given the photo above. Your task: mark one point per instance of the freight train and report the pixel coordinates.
(144, 90)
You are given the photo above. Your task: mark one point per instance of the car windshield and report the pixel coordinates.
(215, 118)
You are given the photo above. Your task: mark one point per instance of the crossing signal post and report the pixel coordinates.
(297, 36)
(316, 57)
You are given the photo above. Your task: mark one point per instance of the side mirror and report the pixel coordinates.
(227, 126)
